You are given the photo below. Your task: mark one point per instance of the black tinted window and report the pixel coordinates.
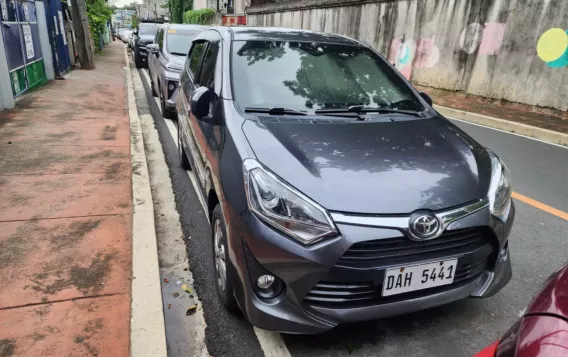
(308, 75)
(179, 42)
(194, 57)
(160, 38)
(208, 69)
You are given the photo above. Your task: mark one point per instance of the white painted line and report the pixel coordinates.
(271, 343)
(508, 132)
(147, 330)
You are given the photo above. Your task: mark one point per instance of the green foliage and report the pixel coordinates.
(176, 11)
(99, 13)
(199, 17)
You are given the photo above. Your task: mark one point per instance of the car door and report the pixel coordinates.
(209, 76)
(153, 62)
(161, 62)
(189, 128)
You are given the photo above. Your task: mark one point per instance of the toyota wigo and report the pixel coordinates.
(335, 192)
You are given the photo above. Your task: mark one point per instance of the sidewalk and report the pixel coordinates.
(544, 118)
(66, 217)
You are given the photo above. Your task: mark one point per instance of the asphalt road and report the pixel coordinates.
(538, 247)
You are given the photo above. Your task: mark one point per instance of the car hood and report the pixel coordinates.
(552, 299)
(386, 167)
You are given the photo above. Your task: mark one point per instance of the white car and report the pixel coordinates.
(125, 35)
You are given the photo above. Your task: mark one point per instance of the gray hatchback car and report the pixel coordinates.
(335, 192)
(165, 62)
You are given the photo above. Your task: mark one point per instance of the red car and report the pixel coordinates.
(542, 331)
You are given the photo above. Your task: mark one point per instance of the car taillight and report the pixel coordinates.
(488, 351)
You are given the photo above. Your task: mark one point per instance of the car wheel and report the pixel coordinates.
(223, 269)
(154, 94)
(183, 160)
(166, 113)
(138, 60)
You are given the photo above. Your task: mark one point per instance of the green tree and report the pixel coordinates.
(99, 14)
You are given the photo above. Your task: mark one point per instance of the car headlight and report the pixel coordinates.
(499, 194)
(283, 207)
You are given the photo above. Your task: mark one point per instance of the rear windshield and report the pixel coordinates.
(148, 29)
(310, 75)
(179, 42)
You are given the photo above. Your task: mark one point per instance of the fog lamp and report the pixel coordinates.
(265, 281)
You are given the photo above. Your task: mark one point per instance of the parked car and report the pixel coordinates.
(125, 35)
(335, 192)
(119, 31)
(166, 57)
(542, 330)
(143, 36)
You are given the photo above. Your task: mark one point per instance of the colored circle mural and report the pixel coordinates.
(552, 47)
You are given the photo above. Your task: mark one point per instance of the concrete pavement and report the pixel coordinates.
(65, 221)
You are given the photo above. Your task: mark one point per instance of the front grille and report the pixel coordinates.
(357, 278)
(402, 249)
(348, 295)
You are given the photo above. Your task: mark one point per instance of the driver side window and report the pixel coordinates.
(160, 39)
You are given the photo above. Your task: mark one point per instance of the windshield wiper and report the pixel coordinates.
(274, 111)
(178, 54)
(362, 109)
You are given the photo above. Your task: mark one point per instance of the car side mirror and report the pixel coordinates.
(199, 104)
(426, 98)
(153, 47)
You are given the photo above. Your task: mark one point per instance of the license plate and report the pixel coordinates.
(418, 277)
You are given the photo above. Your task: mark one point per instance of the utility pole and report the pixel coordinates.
(82, 34)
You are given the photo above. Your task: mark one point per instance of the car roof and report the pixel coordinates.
(287, 34)
(185, 27)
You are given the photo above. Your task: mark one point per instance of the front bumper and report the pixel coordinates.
(486, 269)
(142, 52)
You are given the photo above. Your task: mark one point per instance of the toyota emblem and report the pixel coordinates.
(424, 226)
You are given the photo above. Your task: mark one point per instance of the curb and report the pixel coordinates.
(549, 136)
(147, 329)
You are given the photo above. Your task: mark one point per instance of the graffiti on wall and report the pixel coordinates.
(486, 39)
(406, 54)
(552, 47)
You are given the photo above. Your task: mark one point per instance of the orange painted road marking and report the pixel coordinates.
(541, 206)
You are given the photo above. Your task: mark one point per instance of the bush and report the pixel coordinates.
(99, 13)
(199, 17)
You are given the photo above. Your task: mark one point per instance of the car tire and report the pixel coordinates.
(166, 113)
(222, 262)
(154, 94)
(183, 160)
(138, 60)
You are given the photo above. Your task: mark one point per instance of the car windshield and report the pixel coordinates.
(148, 29)
(179, 42)
(308, 76)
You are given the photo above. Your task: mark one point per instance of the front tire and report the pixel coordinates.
(138, 60)
(154, 94)
(183, 160)
(166, 113)
(223, 268)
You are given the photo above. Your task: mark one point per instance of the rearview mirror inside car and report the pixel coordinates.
(426, 98)
(199, 104)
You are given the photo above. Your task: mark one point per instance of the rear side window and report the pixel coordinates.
(194, 56)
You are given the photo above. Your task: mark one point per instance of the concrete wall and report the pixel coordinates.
(482, 47)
